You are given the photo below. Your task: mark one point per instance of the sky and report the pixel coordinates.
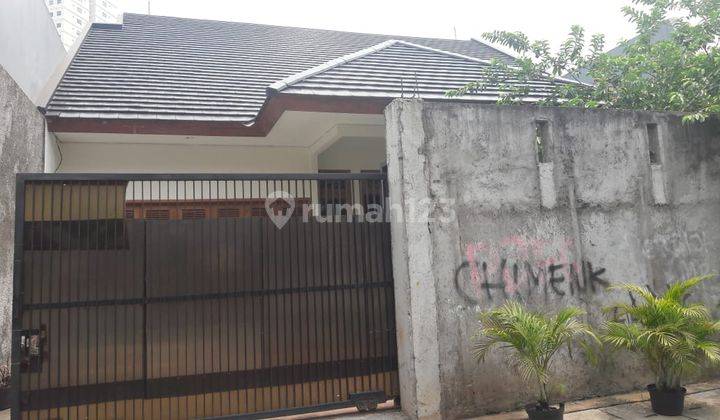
(540, 19)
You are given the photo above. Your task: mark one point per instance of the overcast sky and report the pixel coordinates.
(541, 19)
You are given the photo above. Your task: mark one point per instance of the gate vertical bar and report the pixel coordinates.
(144, 301)
(17, 294)
(314, 298)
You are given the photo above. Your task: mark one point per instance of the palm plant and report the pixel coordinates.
(675, 337)
(534, 337)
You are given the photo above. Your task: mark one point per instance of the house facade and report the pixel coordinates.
(257, 220)
(180, 95)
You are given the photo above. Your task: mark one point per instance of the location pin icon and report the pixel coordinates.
(281, 219)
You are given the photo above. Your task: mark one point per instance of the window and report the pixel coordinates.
(542, 137)
(653, 143)
(333, 194)
(224, 213)
(371, 192)
(193, 214)
(157, 214)
(58, 13)
(59, 25)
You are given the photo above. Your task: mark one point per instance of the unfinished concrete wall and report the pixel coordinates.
(22, 130)
(613, 196)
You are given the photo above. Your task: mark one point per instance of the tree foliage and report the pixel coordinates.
(675, 338)
(680, 74)
(534, 339)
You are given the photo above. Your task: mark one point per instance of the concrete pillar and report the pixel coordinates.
(658, 184)
(548, 196)
(415, 288)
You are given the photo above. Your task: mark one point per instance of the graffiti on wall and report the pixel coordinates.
(519, 268)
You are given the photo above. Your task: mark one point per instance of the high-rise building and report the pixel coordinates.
(71, 16)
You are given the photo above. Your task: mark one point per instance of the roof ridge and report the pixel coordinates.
(297, 77)
(329, 65)
(480, 60)
(450, 53)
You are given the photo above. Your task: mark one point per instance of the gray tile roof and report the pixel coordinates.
(396, 68)
(154, 67)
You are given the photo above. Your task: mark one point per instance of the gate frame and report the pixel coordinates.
(21, 180)
(18, 294)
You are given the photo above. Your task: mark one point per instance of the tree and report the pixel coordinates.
(680, 74)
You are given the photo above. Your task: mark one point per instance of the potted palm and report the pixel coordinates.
(676, 338)
(534, 339)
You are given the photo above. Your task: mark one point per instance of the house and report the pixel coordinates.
(662, 33)
(163, 94)
(159, 271)
(175, 142)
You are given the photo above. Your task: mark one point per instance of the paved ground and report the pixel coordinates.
(701, 403)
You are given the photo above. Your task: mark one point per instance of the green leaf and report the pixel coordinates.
(675, 336)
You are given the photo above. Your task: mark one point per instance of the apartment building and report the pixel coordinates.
(71, 16)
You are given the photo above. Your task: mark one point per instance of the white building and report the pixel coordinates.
(33, 51)
(71, 16)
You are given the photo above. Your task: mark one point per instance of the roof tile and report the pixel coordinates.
(212, 70)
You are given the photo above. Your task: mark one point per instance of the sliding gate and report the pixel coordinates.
(178, 296)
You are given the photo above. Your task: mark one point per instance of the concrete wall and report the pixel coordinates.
(30, 47)
(588, 217)
(22, 130)
(354, 154)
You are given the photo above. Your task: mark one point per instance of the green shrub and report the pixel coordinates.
(534, 338)
(675, 338)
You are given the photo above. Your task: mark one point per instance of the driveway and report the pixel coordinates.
(701, 403)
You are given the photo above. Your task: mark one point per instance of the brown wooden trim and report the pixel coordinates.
(270, 113)
(204, 209)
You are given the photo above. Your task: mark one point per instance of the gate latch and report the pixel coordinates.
(32, 343)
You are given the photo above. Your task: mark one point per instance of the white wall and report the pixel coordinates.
(52, 152)
(354, 154)
(300, 142)
(174, 158)
(30, 47)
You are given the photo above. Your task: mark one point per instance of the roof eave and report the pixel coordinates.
(271, 112)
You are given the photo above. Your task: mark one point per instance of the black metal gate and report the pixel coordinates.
(186, 296)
